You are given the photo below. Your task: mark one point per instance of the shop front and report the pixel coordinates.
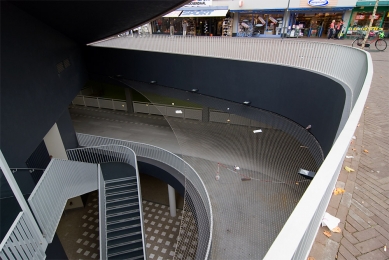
(259, 23)
(201, 21)
(361, 16)
(315, 22)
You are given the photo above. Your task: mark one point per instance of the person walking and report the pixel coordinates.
(184, 27)
(331, 30)
(338, 29)
(172, 27)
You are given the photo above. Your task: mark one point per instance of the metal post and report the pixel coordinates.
(283, 21)
(172, 200)
(19, 196)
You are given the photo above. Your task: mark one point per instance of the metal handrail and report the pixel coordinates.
(351, 67)
(109, 153)
(62, 180)
(166, 157)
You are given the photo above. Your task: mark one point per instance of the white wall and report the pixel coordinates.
(54, 144)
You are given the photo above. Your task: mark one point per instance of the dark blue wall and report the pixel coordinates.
(304, 97)
(33, 94)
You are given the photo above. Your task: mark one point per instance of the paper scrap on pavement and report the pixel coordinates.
(330, 221)
(366, 151)
(349, 156)
(327, 233)
(349, 169)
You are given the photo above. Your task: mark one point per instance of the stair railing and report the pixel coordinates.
(104, 154)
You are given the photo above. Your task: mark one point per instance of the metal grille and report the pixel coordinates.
(61, 181)
(21, 241)
(251, 204)
(337, 61)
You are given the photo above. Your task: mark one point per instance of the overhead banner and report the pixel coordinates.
(197, 3)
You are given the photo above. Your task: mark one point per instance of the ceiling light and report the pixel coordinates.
(153, 82)
(257, 131)
(194, 90)
(247, 103)
(178, 111)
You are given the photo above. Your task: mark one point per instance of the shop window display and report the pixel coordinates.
(314, 24)
(259, 24)
(360, 21)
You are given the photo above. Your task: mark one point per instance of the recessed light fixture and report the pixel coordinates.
(257, 131)
(228, 120)
(178, 111)
(247, 103)
(153, 82)
(194, 90)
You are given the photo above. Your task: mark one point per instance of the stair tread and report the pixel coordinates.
(128, 209)
(123, 233)
(120, 190)
(121, 218)
(125, 249)
(123, 225)
(122, 196)
(137, 254)
(124, 241)
(122, 203)
(119, 185)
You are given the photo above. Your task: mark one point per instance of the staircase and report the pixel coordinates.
(124, 233)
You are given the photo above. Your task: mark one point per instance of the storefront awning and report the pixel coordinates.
(204, 13)
(173, 14)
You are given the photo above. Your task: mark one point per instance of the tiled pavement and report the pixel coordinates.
(363, 209)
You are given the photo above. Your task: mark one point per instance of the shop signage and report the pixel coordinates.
(375, 17)
(196, 3)
(318, 2)
(359, 17)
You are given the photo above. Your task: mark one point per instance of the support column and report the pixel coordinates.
(54, 144)
(172, 200)
(129, 99)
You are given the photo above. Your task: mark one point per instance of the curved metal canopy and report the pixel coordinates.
(90, 21)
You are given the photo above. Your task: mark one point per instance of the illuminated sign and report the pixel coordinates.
(318, 2)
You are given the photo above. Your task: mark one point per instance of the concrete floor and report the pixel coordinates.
(247, 215)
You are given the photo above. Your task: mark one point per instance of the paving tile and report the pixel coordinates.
(373, 255)
(356, 221)
(369, 245)
(366, 234)
(350, 247)
(346, 254)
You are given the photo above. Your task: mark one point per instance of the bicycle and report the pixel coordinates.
(379, 40)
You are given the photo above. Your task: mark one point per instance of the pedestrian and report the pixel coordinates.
(184, 27)
(331, 30)
(338, 29)
(171, 27)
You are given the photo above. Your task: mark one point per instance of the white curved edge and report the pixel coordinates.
(159, 148)
(298, 223)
